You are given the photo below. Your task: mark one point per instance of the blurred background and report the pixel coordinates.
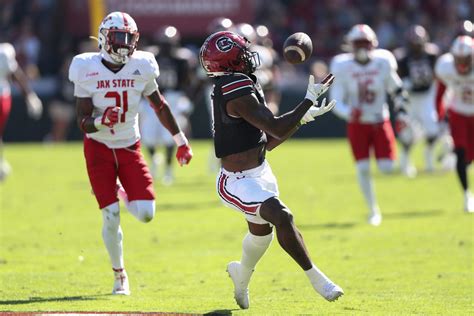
(47, 33)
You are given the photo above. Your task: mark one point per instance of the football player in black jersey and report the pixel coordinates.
(415, 66)
(244, 129)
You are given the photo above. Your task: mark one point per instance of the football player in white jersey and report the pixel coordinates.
(9, 68)
(363, 78)
(108, 87)
(455, 73)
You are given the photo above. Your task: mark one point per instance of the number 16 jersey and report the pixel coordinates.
(124, 89)
(365, 87)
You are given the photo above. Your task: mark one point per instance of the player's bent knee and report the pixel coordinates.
(111, 216)
(385, 165)
(145, 210)
(363, 166)
(275, 212)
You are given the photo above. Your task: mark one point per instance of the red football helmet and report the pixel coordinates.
(226, 52)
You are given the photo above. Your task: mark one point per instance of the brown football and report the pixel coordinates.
(297, 48)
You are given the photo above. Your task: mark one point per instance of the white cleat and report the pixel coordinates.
(468, 202)
(121, 286)
(375, 219)
(241, 290)
(330, 291)
(168, 177)
(409, 171)
(5, 169)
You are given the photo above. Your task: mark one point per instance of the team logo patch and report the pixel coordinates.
(224, 44)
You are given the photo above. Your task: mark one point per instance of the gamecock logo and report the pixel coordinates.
(224, 44)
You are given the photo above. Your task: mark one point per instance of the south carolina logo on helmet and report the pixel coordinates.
(224, 44)
(225, 53)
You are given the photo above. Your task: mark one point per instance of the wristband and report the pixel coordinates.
(98, 123)
(180, 139)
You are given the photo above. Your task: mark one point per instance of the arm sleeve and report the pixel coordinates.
(154, 72)
(11, 58)
(80, 92)
(394, 83)
(150, 87)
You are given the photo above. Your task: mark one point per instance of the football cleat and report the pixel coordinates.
(375, 219)
(241, 290)
(468, 202)
(121, 286)
(330, 291)
(409, 170)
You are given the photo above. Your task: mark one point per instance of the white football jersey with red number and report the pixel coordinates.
(364, 86)
(8, 65)
(123, 89)
(459, 88)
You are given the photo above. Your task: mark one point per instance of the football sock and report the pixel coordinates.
(253, 248)
(365, 183)
(429, 156)
(112, 234)
(461, 167)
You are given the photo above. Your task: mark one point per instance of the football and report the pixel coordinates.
(297, 48)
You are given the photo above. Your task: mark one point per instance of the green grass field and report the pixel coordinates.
(419, 261)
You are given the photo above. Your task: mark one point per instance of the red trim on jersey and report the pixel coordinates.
(234, 201)
(440, 89)
(231, 87)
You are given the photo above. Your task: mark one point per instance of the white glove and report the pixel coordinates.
(317, 111)
(314, 91)
(34, 106)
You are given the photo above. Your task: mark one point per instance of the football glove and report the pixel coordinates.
(184, 154)
(314, 91)
(34, 106)
(109, 118)
(315, 111)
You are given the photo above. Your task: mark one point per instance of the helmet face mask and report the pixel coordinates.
(462, 51)
(225, 53)
(362, 41)
(118, 37)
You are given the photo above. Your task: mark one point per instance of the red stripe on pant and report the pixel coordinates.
(223, 193)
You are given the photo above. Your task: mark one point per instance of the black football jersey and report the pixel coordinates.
(234, 135)
(174, 72)
(418, 69)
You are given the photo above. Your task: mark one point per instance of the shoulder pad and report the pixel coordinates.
(444, 65)
(387, 57)
(338, 62)
(83, 65)
(8, 50)
(147, 63)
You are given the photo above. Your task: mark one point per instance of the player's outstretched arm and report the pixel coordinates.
(163, 112)
(34, 105)
(279, 127)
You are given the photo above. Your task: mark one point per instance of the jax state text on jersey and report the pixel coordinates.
(116, 83)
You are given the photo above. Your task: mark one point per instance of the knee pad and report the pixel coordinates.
(111, 216)
(144, 210)
(363, 167)
(259, 241)
(385, 165)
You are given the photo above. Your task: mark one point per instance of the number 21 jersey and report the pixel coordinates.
(124, 89)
